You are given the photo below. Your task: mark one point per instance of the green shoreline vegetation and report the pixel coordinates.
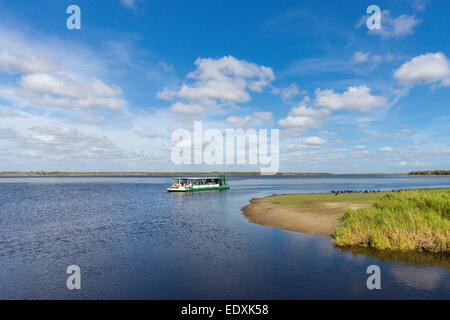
(408, 220)
(430, 173)
(147, 173)
(43, 173)
(134, 173)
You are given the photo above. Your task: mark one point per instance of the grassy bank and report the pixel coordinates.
(408, 220)
(317, 213)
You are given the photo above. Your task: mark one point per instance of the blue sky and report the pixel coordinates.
(108, 96)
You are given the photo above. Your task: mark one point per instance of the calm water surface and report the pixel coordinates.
(133, 240)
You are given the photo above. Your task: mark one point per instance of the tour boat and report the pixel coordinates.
(190, 184)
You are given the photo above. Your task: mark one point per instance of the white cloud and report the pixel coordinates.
(360, 147)
(327, 133)
(130, 4)
(419, 4)
(223, 81)
(309, 112)
(149, 134)
(93, 120)
(302, 122)
(263, 115)
(314, 141)
(354, 99)
(420, 142)
(310, 142)
(93, 102)
(188, 109)
(301, 118)
(367, 57)
(14, 63)
(403, 133)
(64, 143)
(8, 133)
(239, 122)
(386, 149)
(288, 92)
(44, 84)
(62, 85)
(375, 136)
(7, 113)
(397, 27)
(360, 56)
(339, 150)
(165, 94)
(426, 68)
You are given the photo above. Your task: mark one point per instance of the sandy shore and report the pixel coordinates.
(319, 217)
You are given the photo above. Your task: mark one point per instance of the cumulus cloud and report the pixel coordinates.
(302, 117)
(263, 115)
(64, 143)
(309, 142)
(354, 99)
(403, 133)
(223, 81)
(93, 120)
(309, 114)
(190, 109)
(386, 149)
(314, 141)
(149, 134)
(424, 69)
(288, 92)
(48, 72)
(43, 84)
(395, 27)
(94, 102)
(419, 4)
(8, 133)
(14, 63)
(130, 4)
(239, 122)
(300, 122)
(376, 136)
(7, 113)
(360, 56)
(338, 150)
(327, 133)
(61, 85)
(304, 111)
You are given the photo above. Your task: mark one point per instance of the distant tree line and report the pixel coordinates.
(430, 173)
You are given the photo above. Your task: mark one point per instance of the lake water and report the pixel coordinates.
(134, 240)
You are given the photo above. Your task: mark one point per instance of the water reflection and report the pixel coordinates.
(427, 278)
(407, 257)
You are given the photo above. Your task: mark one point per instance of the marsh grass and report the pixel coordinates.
(407, 220)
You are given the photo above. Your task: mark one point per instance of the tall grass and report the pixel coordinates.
(407, 220)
